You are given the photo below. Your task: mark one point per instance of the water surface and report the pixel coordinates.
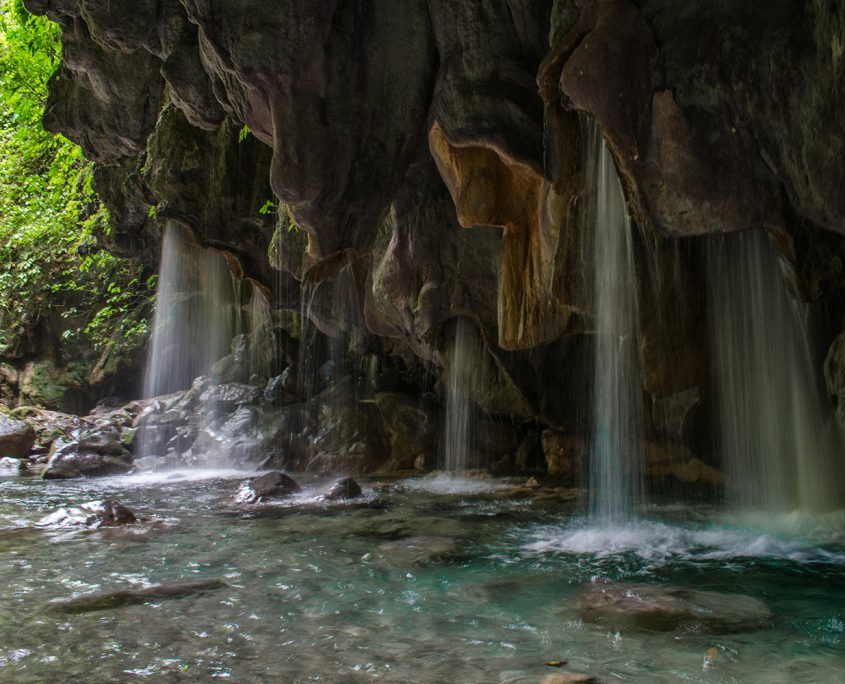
(426, 580)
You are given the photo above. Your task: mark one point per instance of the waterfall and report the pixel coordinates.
(195, 317)
(330, 317)
(262, 344)
(777, 436)
(463, 380)
(615, 479)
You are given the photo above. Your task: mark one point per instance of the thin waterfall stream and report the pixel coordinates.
(459, 433)
(196, 314)
(615, 480)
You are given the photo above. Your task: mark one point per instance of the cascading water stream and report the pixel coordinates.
(262, 348)
(777, 434)
(615, 480)
(458, 438)
(195, 315)
(198, 313)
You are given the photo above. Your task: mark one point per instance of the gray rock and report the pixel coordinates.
(230, 395)
(16, 437)
(94, 454)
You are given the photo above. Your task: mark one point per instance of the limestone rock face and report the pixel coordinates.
(425, 159)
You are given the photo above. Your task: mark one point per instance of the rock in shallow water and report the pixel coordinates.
(93, 514)
(656, 608)
(272, 485)
(418, 550)
(105, 600)
(343, 489)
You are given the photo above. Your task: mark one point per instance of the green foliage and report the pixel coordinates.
(244, 133)
(50, 216)
(271, 207)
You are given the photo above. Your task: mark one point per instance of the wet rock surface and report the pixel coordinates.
(274, 485)
(92, 454)
(93, 515)
(667, 608)
(342, 490)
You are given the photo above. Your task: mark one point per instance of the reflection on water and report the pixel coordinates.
(429, 580)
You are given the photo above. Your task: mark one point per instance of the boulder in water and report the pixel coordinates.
(656, 608)
(16, 437)
(93, 514)
(345, 488)
(272, 485)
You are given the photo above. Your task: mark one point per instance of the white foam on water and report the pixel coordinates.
(660, 543)
(448, 484)
(183, 475)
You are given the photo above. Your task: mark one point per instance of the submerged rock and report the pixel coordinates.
(16, 437)
(345, 488)
(106, 600)
(663, 609)
(418, 550)
(273, 485)
(93, 514)
(568, 678)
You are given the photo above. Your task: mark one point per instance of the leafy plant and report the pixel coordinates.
(50, 215)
